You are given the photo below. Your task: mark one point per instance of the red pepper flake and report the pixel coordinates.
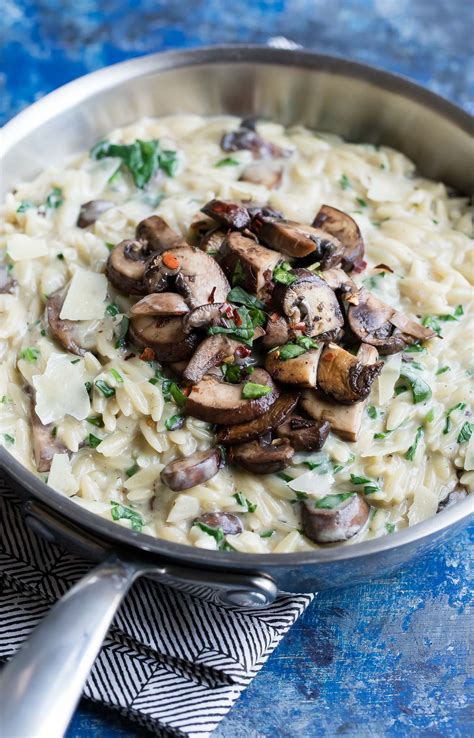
(297, 326)
(148, 354)
(186, 391)
(359, 266)
(210, 299)
(274, 317)
(242, 352)
(237, 319)
(227, 310)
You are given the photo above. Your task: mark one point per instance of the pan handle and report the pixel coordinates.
(41, 686)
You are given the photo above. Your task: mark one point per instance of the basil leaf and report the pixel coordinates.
(267, 534)
(9, 440)
(443, 370)
(142, 158)
(344, 182)
(242, 297)
(459, 311)
(372, 412)
(331, 501)
(93, 441)
(448, 424)
(290, 351)
(243, 332)
(112, 310)
(301, 495)
(410, 454)
(227, 162)
(370, 485)
(132, 470)
(431, 322)
(415, 349)
(96, 420)
(216, 533)
(465, 433)
(30, 354)
(176, 393)
(233, 373)
(282, 274)
(105, 388)
(252, 391)
(361, 202)
(116, 375)
(168, 162)
(420, 390)
(120, 512)
(55, 198)
(244, 502)
(174, 423)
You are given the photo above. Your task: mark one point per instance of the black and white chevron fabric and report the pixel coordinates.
(173, 663)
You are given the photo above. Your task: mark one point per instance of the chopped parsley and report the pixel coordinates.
(227, 162)
(142, 158)
(30, 354)
(244, 502)
(372, 412)
(344, 182)
(120, 512)
(105, 388)
(93, 441)
(174, 423)
(282, 273)
(177, 394)
(331, 501)
(449, 424)
(411, 453)
(465, 433)
(433, 322)
(252, 391)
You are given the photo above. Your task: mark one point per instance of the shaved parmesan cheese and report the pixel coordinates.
(314, 484)
(61, 391)
(425, 504)
(388, 188)
(85, 299)
(185, 507)
(24, 248)
(388, 378)
(61, 477)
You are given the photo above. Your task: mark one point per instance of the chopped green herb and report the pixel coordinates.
(216, 533)
(431, 322)
(242, 297)
(234, 373)
(252, 391)
(142, 158)
(459, 311)
(112, 310)
(105, 388)
(465, 433)
(372, 282)
(331, 501)
(381, 436)
(120, 512)
(75, 361)
(361, 202)
(299, 346)
(5, 399)
(157, 378)
(177, 394)
(88, 386)
(54, 431)
(55, 198)
(132, 470)
(344, 182)
(284, 477)
(93, 441)
(448, 424)
(443, 370)
(282, 273)
(120, 331)
(267, 534)
(60, 257)
(168, 161)
(340, 467)
(227, 162)
(110, 246)
(43, 333)
(241, 328)
(416, 365)
(415, 349)
(244, 502)
(301, 495)
(174, 423)
(429, 417)
(238, 276)
(96, 420)
(372, 412)
(30, 354)
(370, 485)
(116, 375)
(410, 454)
(9, 440)
(389, 527)
(25, 205)
(421, 391)
(400, 388)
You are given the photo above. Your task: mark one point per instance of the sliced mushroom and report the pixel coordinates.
(339, 281)
(164, 335)
(203, 316)
(299, 240)
(254, 262)
(345, 420)
(227, 214)
(310, 303)
(264, 212)
(276, 333)
(246, 138)
(220, 402)
(194, 469)
(211, 241)
(336, 524)
(91, 211)
(343, 377)
(345, 229)
(266, 173)
(302, 370)
(163, 303)
(177, 367)
(304, 434)
(456, 495)
(257, 428)
(45, 444)
(157, 235)
(373, 322)
(7, 285)
(126, 267)
(211, 352)
(261, 458)
(78, 337)
(227, 522)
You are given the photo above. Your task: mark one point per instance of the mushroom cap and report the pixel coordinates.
(261, 458)
(228, 214)
(160, 303)
(304, 434)
(299, 240)
(271, 419)
(337, 524)
(217, 401)
(91, 211)
(276, 333)
(78, 337)
(210, 352)
(164, 335)
(302, 370)
(126, 267)
(345, 229)
(195, 469)
(203, 316)
(343, 377)
(256, 261)
(157, 235)
(267, 173)
(310, 302)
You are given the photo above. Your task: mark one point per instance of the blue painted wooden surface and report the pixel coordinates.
(390, 658)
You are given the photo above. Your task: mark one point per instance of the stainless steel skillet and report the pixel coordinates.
(43, 683)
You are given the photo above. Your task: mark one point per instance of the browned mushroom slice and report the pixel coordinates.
(247, 138)
(195, 469)
(304, 434)
(339, 281)
(345, 420)
(343, 377)
(332, 524)
(276, 333)
(126, 267)
(78, 337)
(301, 370)
(211, 352)
(157, 235)
(220, 402)
(310, 303)
(261, 458)
(91, 211)
(299, 240)
(257, 428)
(45, 444)
(203, 316)
(164, 335)
(227, 522)
(373, 322)
(211, 241)
(228, 214)
(346, 230)
(456, 495)
(266, 173)
(254, 263)
(163, 303)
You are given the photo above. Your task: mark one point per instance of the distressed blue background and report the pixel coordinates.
(386, 659)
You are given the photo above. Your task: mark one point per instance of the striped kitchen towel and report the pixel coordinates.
(173, 663)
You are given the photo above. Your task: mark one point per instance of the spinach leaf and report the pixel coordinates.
(411, 453)
(142, 158)
(120, 512)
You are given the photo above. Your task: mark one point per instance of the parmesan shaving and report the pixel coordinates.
(86, 296)
(314, 484)
(388, 378)
(24, 248)
(61, 477)
(61, 391)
